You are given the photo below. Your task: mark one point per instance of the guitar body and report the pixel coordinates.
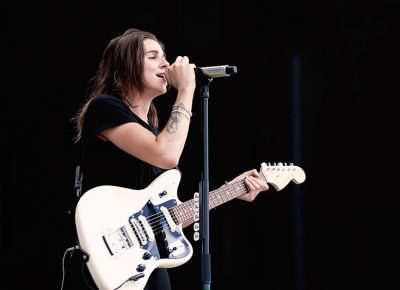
(128, 233)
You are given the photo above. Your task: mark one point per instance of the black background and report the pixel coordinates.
(341, 132)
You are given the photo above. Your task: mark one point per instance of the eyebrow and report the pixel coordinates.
(154, 51)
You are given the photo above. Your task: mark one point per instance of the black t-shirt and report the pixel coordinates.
(103, 163)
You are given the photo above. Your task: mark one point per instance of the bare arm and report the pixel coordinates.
(165, 149)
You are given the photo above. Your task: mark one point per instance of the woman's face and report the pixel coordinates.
(154, 67)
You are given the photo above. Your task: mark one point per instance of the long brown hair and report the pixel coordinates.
(120, 69)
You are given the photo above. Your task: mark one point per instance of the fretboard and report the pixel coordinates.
(185, 211)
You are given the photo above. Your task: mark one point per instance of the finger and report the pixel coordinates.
(258, 183)
(252, 184)
(254, 173)
(178, 58)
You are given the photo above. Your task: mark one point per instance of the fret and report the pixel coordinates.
(189, 209)
(244, 187)
(237, 189)
(222, 195)
(184, 209)
(229, 193)
(177, 213)
(218, 198)
(226, 195)
(212, 199)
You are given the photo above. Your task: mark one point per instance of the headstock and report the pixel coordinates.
(280, 174)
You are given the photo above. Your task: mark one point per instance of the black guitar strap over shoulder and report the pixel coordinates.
(78, 181)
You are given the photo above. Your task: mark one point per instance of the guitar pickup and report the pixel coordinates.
(138, 229)
(147, 228)
(168, 218)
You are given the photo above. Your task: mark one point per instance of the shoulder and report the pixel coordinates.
(107, 111)
(107, 104)
(108, 100)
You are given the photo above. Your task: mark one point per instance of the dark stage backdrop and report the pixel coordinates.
(340, 130)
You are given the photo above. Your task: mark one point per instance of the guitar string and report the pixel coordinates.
(214, 197)
(188, 210)
(158, 221)
(239, 185)
(152, 219)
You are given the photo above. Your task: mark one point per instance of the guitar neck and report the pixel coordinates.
(184, 212)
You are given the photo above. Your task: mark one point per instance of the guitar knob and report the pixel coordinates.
(146, 256)
(141, 267)
(172, 249)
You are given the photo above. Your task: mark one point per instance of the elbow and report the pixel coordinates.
(169, 162)
(166, 156)
(172, 163)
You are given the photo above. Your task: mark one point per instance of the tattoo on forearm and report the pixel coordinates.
(173, 123)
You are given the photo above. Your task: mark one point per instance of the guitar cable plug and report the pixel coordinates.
(71, 249)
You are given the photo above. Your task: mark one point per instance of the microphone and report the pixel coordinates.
(215, 71)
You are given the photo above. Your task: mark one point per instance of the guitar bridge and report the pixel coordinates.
(117, 241)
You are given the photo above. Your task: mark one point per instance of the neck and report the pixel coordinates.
(184, 212)
(140, 106)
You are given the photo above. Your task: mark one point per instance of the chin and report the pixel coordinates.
(160, 92)
(164, 90)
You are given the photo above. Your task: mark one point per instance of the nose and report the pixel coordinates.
(164, 63)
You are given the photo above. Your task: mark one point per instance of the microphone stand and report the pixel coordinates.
(203, 77)
(204, 81)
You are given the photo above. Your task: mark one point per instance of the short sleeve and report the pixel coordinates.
(105, 112)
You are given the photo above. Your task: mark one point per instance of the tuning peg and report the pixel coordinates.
(196, 196)
(196, 206)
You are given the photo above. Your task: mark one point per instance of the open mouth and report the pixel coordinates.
(161, 76)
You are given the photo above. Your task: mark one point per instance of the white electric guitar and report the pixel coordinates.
(127, 233)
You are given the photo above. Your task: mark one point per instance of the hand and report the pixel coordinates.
(181, 74)
(254, 184)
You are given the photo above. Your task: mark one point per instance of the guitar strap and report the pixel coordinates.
(78, 181)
